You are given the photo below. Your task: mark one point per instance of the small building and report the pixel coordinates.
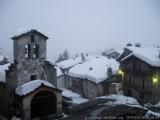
(92, 78)
(112, 53)
(141, 69)
(3, 60)
(31, 80)
(63, 68)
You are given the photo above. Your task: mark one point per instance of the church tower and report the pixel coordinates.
(30, 60)
(29, 46)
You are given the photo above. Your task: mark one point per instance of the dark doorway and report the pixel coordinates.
(43, 104)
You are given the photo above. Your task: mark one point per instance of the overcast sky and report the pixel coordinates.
(82, 25)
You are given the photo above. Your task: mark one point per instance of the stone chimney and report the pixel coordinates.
(109, 72)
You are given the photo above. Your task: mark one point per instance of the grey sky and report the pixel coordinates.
(82, 25)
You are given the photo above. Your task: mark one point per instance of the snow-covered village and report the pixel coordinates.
(79, 60)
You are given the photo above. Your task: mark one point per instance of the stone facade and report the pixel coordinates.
(87, 88)
(30, 64)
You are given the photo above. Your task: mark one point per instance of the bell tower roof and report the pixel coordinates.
(24, 32)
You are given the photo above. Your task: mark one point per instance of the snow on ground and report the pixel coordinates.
(95, 69)
(3, 73)
(75, 97)
(124, 100)
(15, 118)
(148, 54)
(31, 86)
(129, 101)
(149, 112)
(157, 105)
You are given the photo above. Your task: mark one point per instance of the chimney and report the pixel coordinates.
(109, 72)
(137, 45)
(129, 44)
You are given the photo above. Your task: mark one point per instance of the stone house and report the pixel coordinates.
(63, 68)
(92, 78)
(140, 68)
(31, 80)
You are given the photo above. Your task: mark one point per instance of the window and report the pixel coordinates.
(27, 51)
(36, 51)
(33, 77)
(32, 38)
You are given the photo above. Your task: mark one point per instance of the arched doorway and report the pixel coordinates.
(43, 104)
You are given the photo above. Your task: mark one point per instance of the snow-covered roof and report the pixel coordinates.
(149, 55)
(66, 64)
(69, 63)
(31, 86)
(75, 97)
(95, 69)
(3, 68)
(25, 30)
(120, 51)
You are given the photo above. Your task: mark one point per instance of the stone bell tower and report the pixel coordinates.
(30, 60)
(29, 46)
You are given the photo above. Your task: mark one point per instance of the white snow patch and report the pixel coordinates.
(158, 104)
(31, 86)
(95, 69)
(15, 118)
(3, 69)
(124, 100)
(76, 98)
(149, 112)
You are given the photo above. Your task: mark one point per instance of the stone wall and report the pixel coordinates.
(21, 73)
(5, 102)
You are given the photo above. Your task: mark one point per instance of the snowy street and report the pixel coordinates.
(113, 106)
